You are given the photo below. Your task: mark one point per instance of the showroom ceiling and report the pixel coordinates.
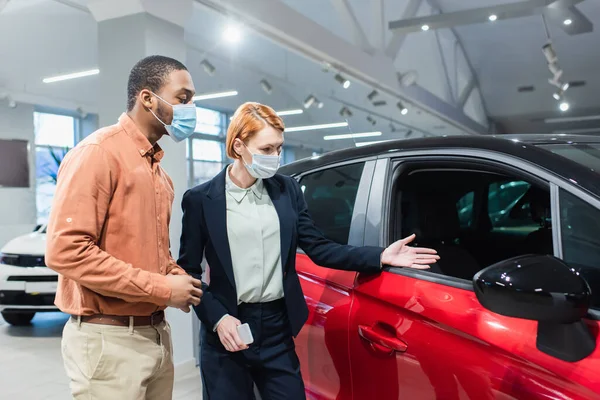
(510, 70)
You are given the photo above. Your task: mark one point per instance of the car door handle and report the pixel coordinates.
(382, 338)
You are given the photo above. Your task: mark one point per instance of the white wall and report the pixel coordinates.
(17, 205)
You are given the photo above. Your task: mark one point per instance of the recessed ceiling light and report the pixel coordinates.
(425, 28)
(493, 17)
(316, 127)
(343, 81)
(266, 86)
(351, 135)
(310, 100)
(208, 67)
(232, 34)
(289, 112)
(564, 106)
(74, 75)
(568, 21)
(214, 95)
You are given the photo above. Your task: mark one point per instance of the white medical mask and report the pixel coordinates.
(263, 166)
(184, 120)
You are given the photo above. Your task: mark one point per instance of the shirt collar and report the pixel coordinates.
(141, 142)
(239, 193)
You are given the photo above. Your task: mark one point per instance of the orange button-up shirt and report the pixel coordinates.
(108, 234)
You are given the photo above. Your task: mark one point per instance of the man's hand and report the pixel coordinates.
(185, 291)
(399, 254)
(228, 334)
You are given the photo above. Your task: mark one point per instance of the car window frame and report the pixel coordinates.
(359, 220)
(381, 187)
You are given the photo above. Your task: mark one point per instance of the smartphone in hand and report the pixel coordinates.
(245, 334)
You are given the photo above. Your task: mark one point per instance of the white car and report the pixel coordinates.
(27, 286)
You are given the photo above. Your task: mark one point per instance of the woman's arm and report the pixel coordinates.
(191, 253)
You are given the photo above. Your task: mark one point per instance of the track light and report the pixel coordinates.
(310, 100)
(564, 106)
(320, 104)
(555, 69)
(372, 95)
(208, 67)
(266, 86)
(371, 120)
(345, 112)
(425, 28)
(402, 108)
(568, 21)
(379, 103)
(493, 17)
(557, 95)
(565, 86)
(342, 81)
(549, 52)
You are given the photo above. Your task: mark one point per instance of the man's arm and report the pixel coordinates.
(86, 182)
(191, 252)
(327, 253)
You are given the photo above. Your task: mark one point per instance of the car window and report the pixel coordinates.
(330, 196)
(509, 206)
(464, 206)
(580, 229)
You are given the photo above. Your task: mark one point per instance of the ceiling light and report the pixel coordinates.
(208, 67)
(342, 81)
(554, 68)
(71, 76)
(232, 34)
(564, 106)
(565, 86)
(351, 135)
(568, 21)
(214, 95)
(316, 127)
(425, 28)
(379, 103)
(402, 108)
(289, 112)
(493, 17)
(572, 119)
(372, 95)
(549, 53)
(557, 95)
(372, 120)
(345, 112)
(320, 104)
(266, 86)
(310, 100)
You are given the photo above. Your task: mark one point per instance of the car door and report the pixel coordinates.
(421, 335)
(336, 197)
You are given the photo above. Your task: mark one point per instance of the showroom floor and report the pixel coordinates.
(31, 367)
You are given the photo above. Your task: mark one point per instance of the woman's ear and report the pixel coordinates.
(238, 147)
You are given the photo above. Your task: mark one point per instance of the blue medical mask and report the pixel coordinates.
(262, 167)
(184, 120)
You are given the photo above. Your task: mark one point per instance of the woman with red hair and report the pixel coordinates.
(248, 221)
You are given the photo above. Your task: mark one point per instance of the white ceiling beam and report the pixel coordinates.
(296, 32)
(352, 24)
(398, 38)
(177, 12)
(480, 15)
(466, 92)
(3, 4)
(378, 24)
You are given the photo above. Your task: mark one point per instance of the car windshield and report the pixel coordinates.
(586, 154)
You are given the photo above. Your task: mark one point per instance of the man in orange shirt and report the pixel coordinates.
(108, 237)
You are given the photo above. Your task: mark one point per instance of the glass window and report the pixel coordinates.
(580, 228)
(330, 196)
(54, 136)
(54, 130)
(205, 171)
(464, 206)
(507, 207)
(208, 121)
(207, 150)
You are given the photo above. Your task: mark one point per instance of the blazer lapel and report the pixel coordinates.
(286, 223)
(216, 222)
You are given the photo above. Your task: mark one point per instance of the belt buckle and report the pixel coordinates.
(152, 316)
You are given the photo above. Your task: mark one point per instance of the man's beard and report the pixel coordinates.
(163, 116)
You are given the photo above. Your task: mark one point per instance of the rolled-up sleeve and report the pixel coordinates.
(86, 181)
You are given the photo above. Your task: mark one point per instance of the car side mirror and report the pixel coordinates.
(544, 289)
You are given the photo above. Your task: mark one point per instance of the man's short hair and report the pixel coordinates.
(150, 73)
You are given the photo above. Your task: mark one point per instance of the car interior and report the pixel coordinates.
(473, 218)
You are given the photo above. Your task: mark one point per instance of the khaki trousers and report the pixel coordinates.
(107, 362)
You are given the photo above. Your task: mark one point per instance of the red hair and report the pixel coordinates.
(247, 121)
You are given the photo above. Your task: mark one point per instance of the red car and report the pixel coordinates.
(512, 309)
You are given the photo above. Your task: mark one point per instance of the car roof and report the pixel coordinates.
(523, 146)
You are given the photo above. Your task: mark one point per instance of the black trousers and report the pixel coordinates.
(270, 362)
